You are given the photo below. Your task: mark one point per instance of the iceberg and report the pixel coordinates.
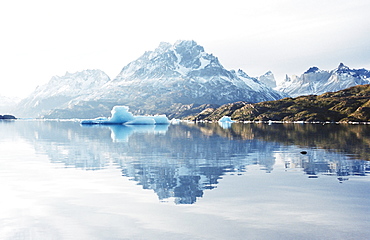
(226, 119)
(225, 122)
(141, 120)
(121, 115)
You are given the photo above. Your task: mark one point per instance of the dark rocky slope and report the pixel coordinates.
(351, 104)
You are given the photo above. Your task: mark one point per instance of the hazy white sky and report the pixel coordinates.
(40, 39)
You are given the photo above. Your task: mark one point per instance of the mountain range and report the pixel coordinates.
(177, 80)
(316, 81)
(60, 91)
(171, 79)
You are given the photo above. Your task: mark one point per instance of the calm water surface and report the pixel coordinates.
(61, 180)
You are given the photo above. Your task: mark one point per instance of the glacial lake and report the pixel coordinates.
(61, 180)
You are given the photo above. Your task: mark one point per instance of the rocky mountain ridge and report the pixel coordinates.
(316, 81)
(351, 104)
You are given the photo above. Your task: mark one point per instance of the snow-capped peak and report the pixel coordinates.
(342, 66)
(185, 68)
(315, 81)
(312, 70)
(268, 78)
(189, 53)
(169, 60)
(73, 84)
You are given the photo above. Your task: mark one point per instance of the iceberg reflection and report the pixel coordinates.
(121, 133)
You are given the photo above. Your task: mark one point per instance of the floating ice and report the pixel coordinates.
(226, 119)
(141, 120)
(175, 121)
(121, 115)
(225, 122)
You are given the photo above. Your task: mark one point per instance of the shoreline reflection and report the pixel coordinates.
(184, 160)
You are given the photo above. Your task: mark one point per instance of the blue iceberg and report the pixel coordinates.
(226, 119)
(121, 115)
(225, 122)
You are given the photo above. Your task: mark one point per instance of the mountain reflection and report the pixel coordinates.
(182, 161)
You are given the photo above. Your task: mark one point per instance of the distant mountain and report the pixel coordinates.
(315, 81)
(60, 91)
(168, 80)
(352, 104)
(7, 104)
(185, 73)
(268, 79)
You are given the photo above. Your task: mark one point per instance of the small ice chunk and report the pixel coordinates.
(175, 121)
(225, 119)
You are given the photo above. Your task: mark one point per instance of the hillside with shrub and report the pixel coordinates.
(351, 104)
